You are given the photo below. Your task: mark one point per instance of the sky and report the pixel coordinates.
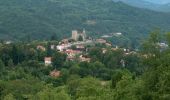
(159, 1)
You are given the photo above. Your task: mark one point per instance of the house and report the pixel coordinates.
(114, 49)
(102, 41)
(71, 52)
(108, 44)
(162, 46)
(39, 47)
(62, 47)
(65, 41)
(71, 58)
(53, 47)
(48, 61)
(117, 34)
(104, 50)
(106, 36)
(55, 73)
(84, 58)
(80, 47)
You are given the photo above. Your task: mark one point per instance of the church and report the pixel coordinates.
(79, 36)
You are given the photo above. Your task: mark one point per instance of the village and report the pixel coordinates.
(76, 48)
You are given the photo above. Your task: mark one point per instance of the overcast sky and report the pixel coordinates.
(159, 1)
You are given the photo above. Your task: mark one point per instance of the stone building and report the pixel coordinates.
(77, 35)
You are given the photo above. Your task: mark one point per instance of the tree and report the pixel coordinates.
(10, 63)
(80, 38)
(116, 78)
(54, 37)
(112, 59)
(96, 54)
(51, 93)
(58, 59)
(124, 85)
(2, 66)
(9, 97)
(151, 48)
(75, 69)
(97, 69)
(134, 63)
(15, 54)
(49, 50)
(168, 38)
(154, 37)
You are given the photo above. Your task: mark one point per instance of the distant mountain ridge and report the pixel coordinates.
(162, 2)
(40, 19)
(146, 4)
(165, 7)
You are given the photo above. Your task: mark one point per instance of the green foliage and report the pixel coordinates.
(58, 59)
(49, 50)
(9, 97)
(115, 78)
(10, 63)
(2, 66)
(168, 38)
(21, 89)
(30, 19)
(145, 76)
(50, 93)
(80, 38)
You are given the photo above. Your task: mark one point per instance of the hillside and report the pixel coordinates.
(39, 19)
(165, 7)
(140, 4)
(151, 5)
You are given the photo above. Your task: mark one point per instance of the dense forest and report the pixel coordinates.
(148, 4)
(40, 19)
(145, 75)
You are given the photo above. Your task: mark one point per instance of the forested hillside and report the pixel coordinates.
(159, 7)
(39, 19)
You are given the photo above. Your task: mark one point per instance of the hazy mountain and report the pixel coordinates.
(39, 19)
(159, 1)
(165, 7)
(139, 3)
(152, 5)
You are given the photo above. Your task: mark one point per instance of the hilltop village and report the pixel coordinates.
(76, 47)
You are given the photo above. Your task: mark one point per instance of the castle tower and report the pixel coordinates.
(75, 35)
(84, 34)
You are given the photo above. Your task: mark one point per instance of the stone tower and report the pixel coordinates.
(75, 35)
(84, 34)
